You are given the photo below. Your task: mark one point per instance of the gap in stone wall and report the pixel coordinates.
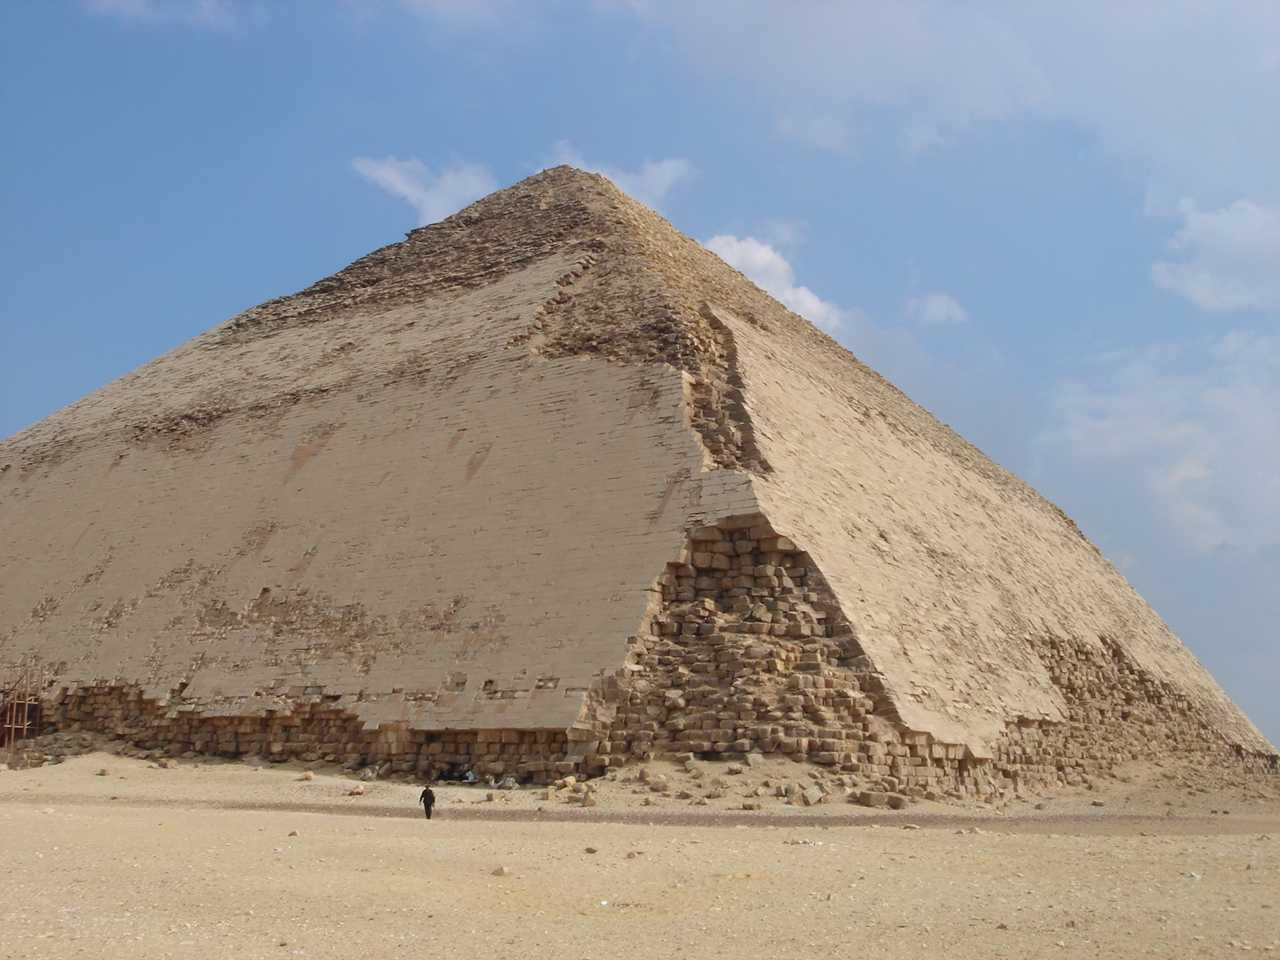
(746, 650)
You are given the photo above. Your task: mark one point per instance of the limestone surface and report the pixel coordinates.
(545, 487)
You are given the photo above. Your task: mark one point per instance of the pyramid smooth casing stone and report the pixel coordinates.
(547, 487)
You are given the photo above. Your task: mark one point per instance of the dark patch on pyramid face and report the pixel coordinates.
(562, 489)
(476, 460)
(309, 446)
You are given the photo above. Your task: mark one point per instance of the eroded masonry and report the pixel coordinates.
(548, 488)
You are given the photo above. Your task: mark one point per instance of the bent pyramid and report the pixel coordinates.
(548, 486)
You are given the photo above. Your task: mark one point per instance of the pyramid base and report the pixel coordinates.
(310, 733)
(744, 649)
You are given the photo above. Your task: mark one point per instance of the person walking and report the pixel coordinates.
(428, 800)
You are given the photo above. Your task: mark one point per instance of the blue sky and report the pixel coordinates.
(1056, 226)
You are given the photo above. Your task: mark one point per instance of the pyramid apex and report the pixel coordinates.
(557, 188)
(568, 171)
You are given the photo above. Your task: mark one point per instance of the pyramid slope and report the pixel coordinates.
(393, 533)
(949, 566)
(435, 490)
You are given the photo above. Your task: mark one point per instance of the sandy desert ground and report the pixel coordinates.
(214, 859)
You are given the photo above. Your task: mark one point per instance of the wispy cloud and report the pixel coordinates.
(1230, 257)
(771, 271)
(935, 309)
(783, 232)
(212, 13)
(963, 386)
(1191, 431)
(125, 8)
(921, 72)
(433, 195)
(649, 183)
(460, 11)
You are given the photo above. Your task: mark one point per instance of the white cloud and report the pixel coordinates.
(649, 184)
(935, 309)
(770, 271)
(1187, 432)
(436, 195)
(816, 65)
(213, 13)
(433, 196)
(1231, 257)
(783, 232)
(962, 388)
(1181, 89)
